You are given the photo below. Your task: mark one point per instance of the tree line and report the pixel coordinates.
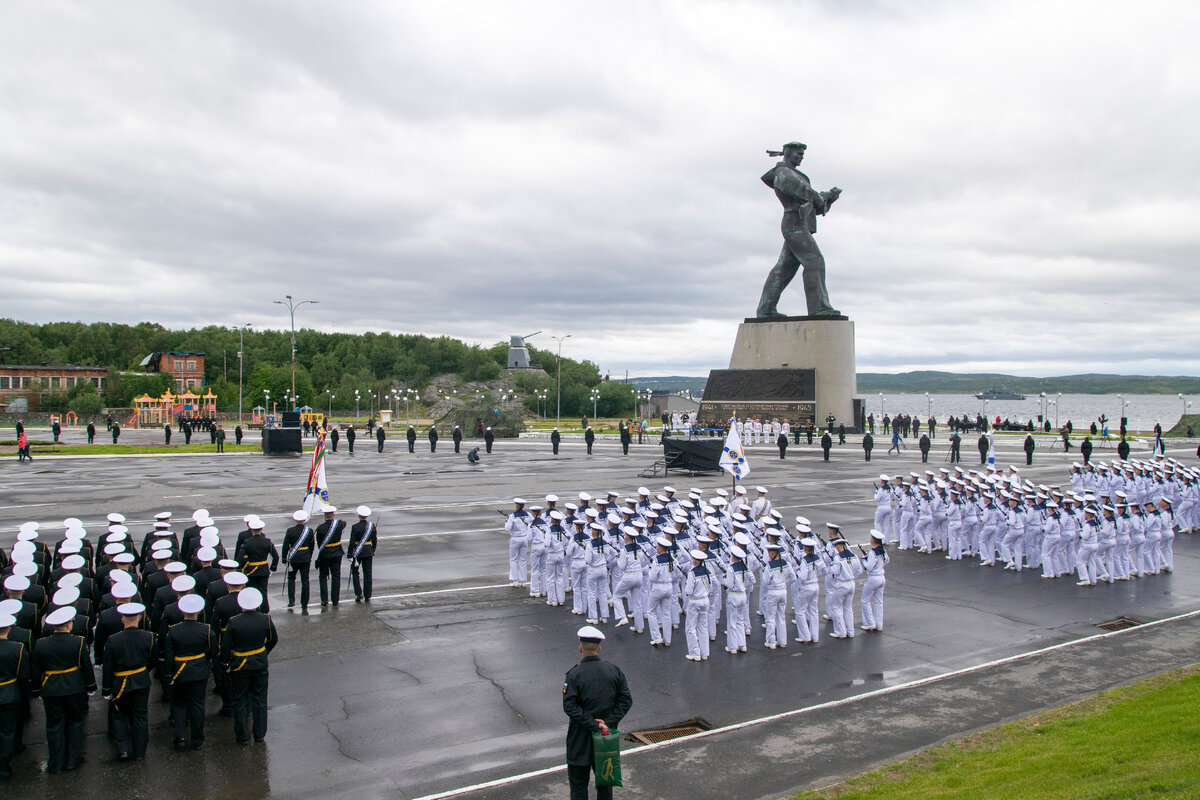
(328, 365)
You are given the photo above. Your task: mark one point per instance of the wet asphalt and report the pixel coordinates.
(451, 678)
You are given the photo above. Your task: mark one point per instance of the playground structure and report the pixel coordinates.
(157, 411)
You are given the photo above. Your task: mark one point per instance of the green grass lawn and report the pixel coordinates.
(1141, 741)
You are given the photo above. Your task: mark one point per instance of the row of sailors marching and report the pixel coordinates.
(181, 618)
(755, 431)
(1025, 526)
(1144, 482)
(654, 567)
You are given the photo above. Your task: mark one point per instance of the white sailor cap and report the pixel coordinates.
(808, 541)
(663, 541)
(363, 511)
(205, 554)
(591, 513)
(643, 491)
(877, 536)
(118, 536)
(613, 518)
(210, 540)
(23, 551)
(739, 489)
(589, 634)
(162, 515)
(520, 501)
(737, 551)
(74, 534)
(595, 526)
(235, 578)
(61, 616)
(300, 515)
(328, 509)
(699, 555)
(639, 524)
(123, 590)
(65, 596)
(249, 599)
(227, 563)
(7, 620)
(199, 513)
(775, 515)
(162, 527)
(551, 498)
(742, 538)
(669, 489)
(723, 492)
(70, 579)
(774, 546)
(191, 604)
(175, 567)
(256, 523)
(760, 489)
(584, 497)
(803, 529)
(131, 609)
(184, 583)
(26, 569)
(571, 507)
(613, 495)
(16, 583)
(115, 518)
(26, 536)
(884, 478)
(833, 526)
(73, 561)
(123, 558)
(557, 515)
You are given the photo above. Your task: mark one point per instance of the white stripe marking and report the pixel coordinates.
(831, 704)
(440, 591)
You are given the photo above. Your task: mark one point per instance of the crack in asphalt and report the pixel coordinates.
(499, 688)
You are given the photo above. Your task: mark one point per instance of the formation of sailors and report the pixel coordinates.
(652, 561)
(1115, 522)
(177, 609)
(753, 431)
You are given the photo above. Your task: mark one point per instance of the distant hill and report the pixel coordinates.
(970, 383)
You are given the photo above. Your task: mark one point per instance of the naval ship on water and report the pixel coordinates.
(999, 394)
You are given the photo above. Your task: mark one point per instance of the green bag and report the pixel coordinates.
(607, 754)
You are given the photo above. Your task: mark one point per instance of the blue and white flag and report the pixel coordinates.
(733, 457)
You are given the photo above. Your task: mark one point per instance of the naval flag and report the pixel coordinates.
(318, 489)
(733, 457)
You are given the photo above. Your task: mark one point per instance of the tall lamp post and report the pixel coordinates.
(928, 405)
(267, 401)
(331, 396)
(882, 405)
(595, 397)
(558, 379)
(356, 405)
(241, 349)
(292, 314)
(1185, 405)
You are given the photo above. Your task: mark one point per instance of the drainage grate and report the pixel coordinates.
(676, 731)
(1119, 624)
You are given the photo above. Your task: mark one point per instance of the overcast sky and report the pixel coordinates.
(1020, 180)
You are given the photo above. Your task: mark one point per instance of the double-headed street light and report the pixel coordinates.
(331, 396)
(558, 380)
(292, 314)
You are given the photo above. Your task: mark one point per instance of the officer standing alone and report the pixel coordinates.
(595, 698)
(363, 541)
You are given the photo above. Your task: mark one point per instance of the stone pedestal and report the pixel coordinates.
(821, 346)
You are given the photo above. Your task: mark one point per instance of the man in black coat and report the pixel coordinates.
(129, 655)
(411, 436)
(433, 437)
(361, 549)
(924, 444)
(1029, 445)
(955, 445)
(186, 428)
(333, 437)
(842, 433)
(116, 432)
(595, 698)
(457, 437)
(191, 649)
(350, 439)
(247, 641)
(91, 432)
(826, 443)
(555, 440)
(589, 438)
(379, 437)
(868, 445)
(626, 438)
(782, 442)
(63, 676)
(808, 430)
(983, 449)
(237, 435)
(329, 557)
(298, 545)
(1123, 449)
(488, 438)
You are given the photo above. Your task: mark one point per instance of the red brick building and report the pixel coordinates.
(24, 380)
(187, 368)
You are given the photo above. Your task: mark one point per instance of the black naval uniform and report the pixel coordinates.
(224, 609)
(411, 436)
(380, 436)
(457, 436)
(298, 544)
(555, 440)
(257, 553)
(488, 439)
(433, 437)
(63, 676)
(191, 648)
(868, 445)
(589, 438)
(350, 439)
(125, 679)
(14, 682)
(826, 443)
(782, 442)
(329, 560)
(364, 528)
(247, 640)
(593, 689)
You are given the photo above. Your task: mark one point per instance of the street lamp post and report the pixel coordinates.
(292, 314)
(241, 349)
(928, 405)
(267, 401)
(882, 413)
(595, 397)
(558, 379)
(331, 396)
(356, 405)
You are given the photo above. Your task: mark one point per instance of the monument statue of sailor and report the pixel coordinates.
(801, 204)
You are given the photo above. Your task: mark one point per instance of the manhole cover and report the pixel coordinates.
(1119, 624)
(666, 733)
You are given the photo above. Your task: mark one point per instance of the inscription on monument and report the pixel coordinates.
(713, 414)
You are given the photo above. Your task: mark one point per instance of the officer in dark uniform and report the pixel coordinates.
(1029, 445)
(595, 698)
(63, 676)
(626, 438)
(955, 445)
(924, 444)
(14, 682)
(129, 655)
(248, 639)
(237, 434)
(826, 443)
(842, 433)
(457, 436)
(783, 443)
(488, 438)
(808, 430)
(379, 437)
(257, 553)
(224, 609)
(333, 437)
(555, 440)
(116, 432)
(589, 438)
(350, 439)
(411, 436)
(433, 437)
(1123, 449)
(298, 544)
(983, 449)
(361, 549)
(329, 557)
(190, 651)
(868, 445)
(91, 432)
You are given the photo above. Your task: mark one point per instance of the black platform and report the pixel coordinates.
(281, 441)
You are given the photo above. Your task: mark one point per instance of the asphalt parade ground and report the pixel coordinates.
(449, 682)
